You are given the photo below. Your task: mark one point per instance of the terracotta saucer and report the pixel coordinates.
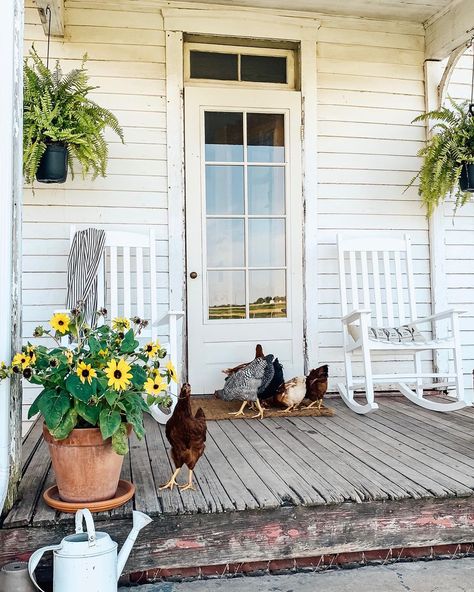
(125, 491)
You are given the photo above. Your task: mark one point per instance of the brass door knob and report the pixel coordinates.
(193, 275)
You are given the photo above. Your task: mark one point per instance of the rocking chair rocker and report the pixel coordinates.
(380, 273)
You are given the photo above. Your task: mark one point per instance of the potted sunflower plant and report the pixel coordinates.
(93, 394)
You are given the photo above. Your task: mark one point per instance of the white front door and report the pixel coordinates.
(243, 230)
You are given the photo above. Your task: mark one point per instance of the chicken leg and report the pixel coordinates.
(189, 484)
(260, 410)
(172, 482)
(240, 411)
(319, 402)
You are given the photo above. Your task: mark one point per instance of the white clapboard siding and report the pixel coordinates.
(459, 237)
(370, 89)
(127, 61)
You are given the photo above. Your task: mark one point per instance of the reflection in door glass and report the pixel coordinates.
(267, 292)
(265, 137)
(266, 242)
(224, 189)
(224, 136)
(225, 242)
(266, 189)
(226, 294)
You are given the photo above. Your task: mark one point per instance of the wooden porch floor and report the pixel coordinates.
(402, 476)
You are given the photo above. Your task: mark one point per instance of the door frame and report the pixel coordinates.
(277, 24)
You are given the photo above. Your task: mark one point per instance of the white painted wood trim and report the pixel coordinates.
(309, 126)
(439, 290)
(175, 171)
(449, 29)
(57, 16)
(236, 23)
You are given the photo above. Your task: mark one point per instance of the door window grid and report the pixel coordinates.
(247, 217)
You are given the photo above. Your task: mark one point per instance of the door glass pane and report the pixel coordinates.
(255, 68)
(224, 189)
(266, 190)
(226, 290)
(266, 242)
(267, 292)
(225, 242)
(224, 135)
(265, 137)
(217, 66)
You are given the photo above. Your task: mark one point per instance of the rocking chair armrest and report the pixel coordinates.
(446, 314)
(354, 315)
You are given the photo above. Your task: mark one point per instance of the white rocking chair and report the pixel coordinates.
(380, 274)
(128, 287)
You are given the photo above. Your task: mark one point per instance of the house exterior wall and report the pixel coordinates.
(370, 87)
(459, 236)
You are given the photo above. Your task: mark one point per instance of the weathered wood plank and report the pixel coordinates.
(44, 515)
(30, 488)
(196, 540)
(248, 476)
(146, 499)
(30, 443)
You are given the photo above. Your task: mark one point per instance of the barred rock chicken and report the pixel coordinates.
(291, 393)
(317, 385)
(187, 435)
(244, 382)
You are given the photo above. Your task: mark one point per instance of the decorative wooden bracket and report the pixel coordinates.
(57, 16)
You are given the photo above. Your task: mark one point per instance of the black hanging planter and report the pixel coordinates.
(466, 180)
(53, 164)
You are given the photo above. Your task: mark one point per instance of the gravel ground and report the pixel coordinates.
(454, 575)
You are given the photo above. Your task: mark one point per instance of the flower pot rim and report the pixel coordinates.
(91, 433)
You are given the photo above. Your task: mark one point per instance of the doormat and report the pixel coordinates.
(217, 409)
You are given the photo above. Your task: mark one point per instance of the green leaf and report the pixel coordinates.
(120, 440)
(94, 345)
(111, 397)
(35, 379)
(79, 390)
(102, 384)
(53, 406)
(139, 376)
(109, 422)
(66, 425)
(34, 409)
(88, 412)
(129, 343)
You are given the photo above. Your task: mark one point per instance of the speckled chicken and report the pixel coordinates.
(291, 393)
(317, 385)
(187, 435)
(243, 384)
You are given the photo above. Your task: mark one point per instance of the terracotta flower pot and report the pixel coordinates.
(87, 469)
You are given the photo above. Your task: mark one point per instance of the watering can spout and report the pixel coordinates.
(140, 520)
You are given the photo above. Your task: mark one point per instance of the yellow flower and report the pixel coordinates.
(120, 323)
(60, 322)
(69, 355)
(154, 386)
(151, 349)
(85, 372)
(104, 352)
(172, 371)
(118, 374)
(22, 360)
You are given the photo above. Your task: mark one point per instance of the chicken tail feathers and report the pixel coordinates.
(200, 414)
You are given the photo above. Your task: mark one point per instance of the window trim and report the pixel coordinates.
(289, 54)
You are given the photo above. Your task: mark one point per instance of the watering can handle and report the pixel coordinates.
(85, 513)
(35, 559)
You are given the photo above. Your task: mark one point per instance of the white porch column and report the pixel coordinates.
(11, 180)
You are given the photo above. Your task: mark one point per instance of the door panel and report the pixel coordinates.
(243, 230)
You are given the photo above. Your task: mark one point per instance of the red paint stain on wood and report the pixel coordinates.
(188, 544)
(293, 532)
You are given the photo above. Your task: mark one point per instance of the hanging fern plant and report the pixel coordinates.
(446, 155)
(56, 108)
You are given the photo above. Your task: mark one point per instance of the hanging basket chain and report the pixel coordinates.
(48, 13)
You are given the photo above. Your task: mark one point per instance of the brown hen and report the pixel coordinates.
(187, 435)
(317, 385)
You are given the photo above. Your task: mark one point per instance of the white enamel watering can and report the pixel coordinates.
(88, 561)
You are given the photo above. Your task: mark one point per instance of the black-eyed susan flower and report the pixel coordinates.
(152, 348)
(120, 324)
(172, 371)
(60, 322)
(85, 372)
(118, 374)
(155, 385)
(22, 360)
(68, 355)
